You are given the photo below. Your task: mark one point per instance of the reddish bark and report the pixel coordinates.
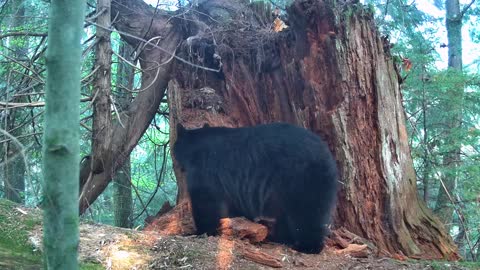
(328, 72)
(102, 122)
(179, 221)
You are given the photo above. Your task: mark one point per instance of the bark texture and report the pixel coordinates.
(122, 196)
(61, 137)
(102, 120)
(329, 73)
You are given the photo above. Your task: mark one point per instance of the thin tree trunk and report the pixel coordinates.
(18, 49)
(61, 149)
(14, 181)
(478, 252)
(122, 196)
(426, 145)
(102, 121)
(14, 169)
(444, 208)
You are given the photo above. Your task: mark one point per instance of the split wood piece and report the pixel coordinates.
(355, 250)
(242, 228)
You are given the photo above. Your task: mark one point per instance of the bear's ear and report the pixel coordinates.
(180, 130)
(206, 125)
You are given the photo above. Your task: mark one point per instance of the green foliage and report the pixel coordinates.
(91, 266)
(19, 76)
(152, 176)
(432, 97)
(442, 265)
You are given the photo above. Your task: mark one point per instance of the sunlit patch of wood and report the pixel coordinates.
(242, 228)
(225, 253)
(355, 250)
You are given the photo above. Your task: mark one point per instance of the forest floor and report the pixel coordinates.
(107, 247)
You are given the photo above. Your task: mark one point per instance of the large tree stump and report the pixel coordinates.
(327, 71)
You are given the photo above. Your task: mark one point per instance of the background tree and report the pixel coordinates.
(14, 164)
(61, 140)
(433, 95)
(452, 156)
(23, 74)
(123, 202)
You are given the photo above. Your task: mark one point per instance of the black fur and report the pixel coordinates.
(275, 171)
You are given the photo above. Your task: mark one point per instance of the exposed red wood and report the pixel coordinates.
(355, 250)
(242, 228)
(179, 221)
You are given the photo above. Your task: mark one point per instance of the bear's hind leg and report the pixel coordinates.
(206, 210)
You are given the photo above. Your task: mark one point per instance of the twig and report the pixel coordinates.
(16, 34)
(10, 105)
(116, 111)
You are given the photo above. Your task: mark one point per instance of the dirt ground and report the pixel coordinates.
(119, 249)
(108, 247)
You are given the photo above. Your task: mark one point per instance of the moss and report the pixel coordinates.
(15, 249)
(445, 265)
(470, 265)
(91, 266)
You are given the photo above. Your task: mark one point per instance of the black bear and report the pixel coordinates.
(276, 172)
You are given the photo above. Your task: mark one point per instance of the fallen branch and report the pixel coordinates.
(261, 257)
(14, 105)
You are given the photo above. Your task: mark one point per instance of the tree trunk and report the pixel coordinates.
(444, 208)
(102, 117)
(328, 72)
(61, 147)
(14, 181)
(14, 161)
(122, 196)
(14, 169)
